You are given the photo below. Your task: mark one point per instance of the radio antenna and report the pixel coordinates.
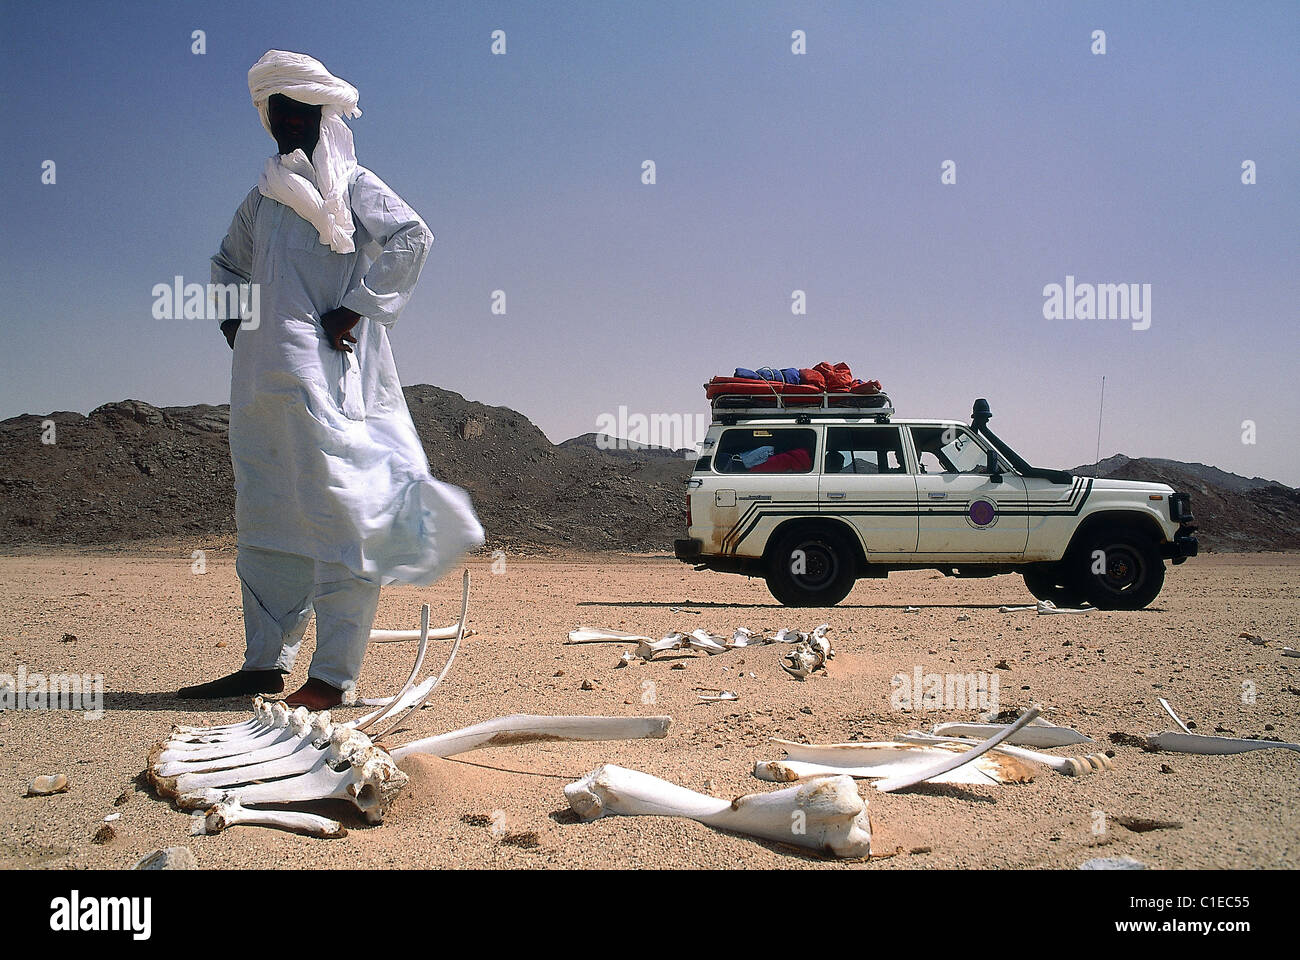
(1100, 409)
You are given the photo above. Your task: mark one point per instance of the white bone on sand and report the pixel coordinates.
(891, 758)
(903, 781)
(439, 634)
(319, 728)
(1037, 734)
(528, 728)
(228, 812)
(598, 635)
(1045, 607)
(1067, 766)
(646, 649)
(826, 815)
(1184, 741)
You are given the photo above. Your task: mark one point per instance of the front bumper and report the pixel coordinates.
(687, 551)
(1183, 545)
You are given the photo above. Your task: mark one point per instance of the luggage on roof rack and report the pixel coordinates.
(732, 400)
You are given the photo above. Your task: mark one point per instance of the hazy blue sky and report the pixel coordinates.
(775, 172)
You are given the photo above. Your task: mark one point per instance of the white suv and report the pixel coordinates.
(813, 497)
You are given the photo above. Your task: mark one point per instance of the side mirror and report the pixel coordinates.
(995, 475)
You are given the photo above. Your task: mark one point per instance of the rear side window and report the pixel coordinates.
(766, 450)
(864, 450)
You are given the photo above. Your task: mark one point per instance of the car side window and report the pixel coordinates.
(765, 450)
(948, 450)
(864, 450)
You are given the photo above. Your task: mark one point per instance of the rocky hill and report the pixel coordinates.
(1232, 512)
(130, 470)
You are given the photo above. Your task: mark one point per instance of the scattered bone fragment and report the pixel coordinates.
(1067, 766)
(1037, 734)
(597, 635)
(1113, 863)
(228, 812)
(826, 814)
(1016, 609)
(881, 760)
(48, 785)
(1046, 607)
(1184, 741)
(711, 695)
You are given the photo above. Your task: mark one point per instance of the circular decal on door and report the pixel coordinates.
(982, 513)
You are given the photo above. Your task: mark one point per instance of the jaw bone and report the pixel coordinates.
(825, 815)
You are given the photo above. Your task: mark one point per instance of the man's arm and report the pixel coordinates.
(387, 286)
(233, 262)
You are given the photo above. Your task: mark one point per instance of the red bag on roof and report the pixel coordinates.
(812, 378)
(838, 378)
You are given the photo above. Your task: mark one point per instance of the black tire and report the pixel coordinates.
(827, 564)
(1133, 571)
(1047, 582)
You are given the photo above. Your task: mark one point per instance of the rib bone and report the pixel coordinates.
(826, 814)
(883, 760)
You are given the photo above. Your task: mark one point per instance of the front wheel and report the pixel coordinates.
(1046, 582)
(811, 568)
(1119, 570)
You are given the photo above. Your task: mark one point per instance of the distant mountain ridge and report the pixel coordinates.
(1232, 512)
(130, 470)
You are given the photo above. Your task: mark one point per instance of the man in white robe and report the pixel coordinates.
(333, 495)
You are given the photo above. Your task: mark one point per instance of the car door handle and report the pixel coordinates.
(836, 496)
(938, 496)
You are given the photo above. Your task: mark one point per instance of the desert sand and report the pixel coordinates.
(144, 620)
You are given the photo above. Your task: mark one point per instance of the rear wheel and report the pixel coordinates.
(1048, 582)
(1119, 569)
(811, 568)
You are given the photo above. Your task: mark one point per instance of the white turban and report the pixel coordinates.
(316, 189)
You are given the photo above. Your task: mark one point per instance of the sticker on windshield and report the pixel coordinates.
(982, 513)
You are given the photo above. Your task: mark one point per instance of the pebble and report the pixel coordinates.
(169, 858)
(47, 785)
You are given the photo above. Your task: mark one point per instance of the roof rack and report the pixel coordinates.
(803, 407)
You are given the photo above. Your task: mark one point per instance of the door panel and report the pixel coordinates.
(866, 480)
(962, 511)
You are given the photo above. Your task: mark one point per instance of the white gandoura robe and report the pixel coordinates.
(327, 461)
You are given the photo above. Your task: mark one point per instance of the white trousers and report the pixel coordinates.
(280, 592)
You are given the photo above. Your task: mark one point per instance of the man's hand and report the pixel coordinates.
(230, 328)
(337, 323)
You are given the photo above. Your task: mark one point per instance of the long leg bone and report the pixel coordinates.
(826, 814)
(436, 634)
(527, 728)
(911, 779)
(228, 812)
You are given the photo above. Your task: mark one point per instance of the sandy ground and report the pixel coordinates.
(148, 624)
